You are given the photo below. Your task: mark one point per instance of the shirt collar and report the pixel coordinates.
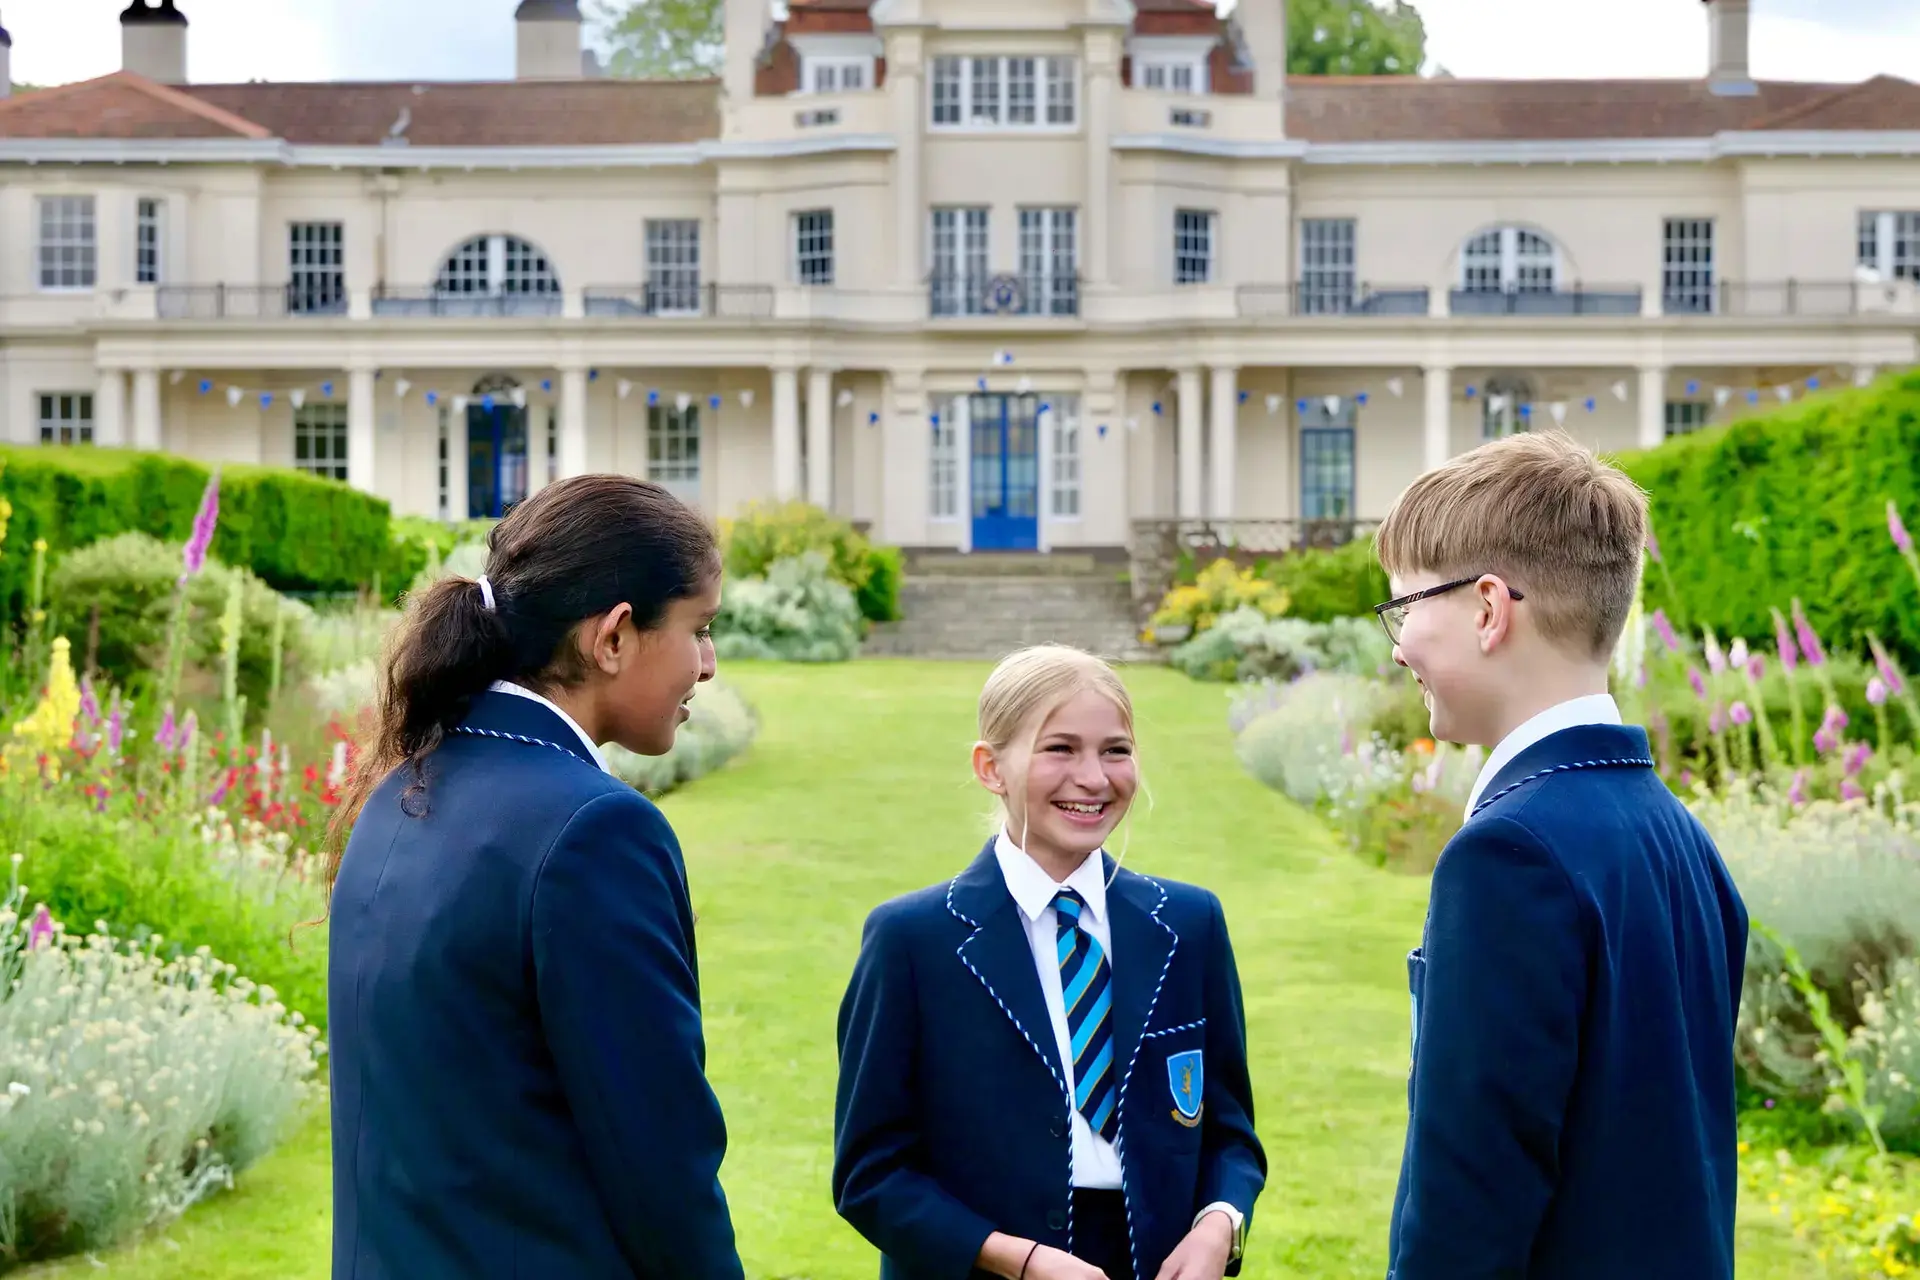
(521, 691)
(1033, 890)
(1595, 708)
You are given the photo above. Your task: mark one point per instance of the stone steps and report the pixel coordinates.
(988, 616)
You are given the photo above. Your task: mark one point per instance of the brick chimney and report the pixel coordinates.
(1728, 70)
(547, 43)
(1260, 31)
(153, 41)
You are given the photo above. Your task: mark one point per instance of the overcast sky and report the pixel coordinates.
(55, 41)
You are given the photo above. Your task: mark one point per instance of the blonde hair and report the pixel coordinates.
(1563, 526)
(1029, 685)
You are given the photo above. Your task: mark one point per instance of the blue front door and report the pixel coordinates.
(496, 459)
(1006, 472)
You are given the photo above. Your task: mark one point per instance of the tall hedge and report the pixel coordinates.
(1794, 503)
(297, 532)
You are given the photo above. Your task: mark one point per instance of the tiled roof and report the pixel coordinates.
(1406, 109)
(1881, 103)
(122, 105)
(544, 113)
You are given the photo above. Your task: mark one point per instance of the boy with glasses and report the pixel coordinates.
(1574, 996)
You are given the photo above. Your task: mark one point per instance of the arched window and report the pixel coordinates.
(1509, 260)
(1507, 407)
(500, 267)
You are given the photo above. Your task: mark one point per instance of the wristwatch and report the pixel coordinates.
(1234, 1216)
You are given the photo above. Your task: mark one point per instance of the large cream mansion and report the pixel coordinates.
(987, 274)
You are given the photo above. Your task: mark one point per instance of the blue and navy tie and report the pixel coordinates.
(1087, 986)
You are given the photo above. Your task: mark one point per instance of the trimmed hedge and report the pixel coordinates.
(1751, 515)
(297, 532)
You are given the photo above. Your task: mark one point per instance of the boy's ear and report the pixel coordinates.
(986, 769)
(1495, 620)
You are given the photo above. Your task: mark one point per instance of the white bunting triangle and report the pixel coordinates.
(1024, 385)
(1133, 424)
(1784, 392)
(845, 398)
(459, 404)
(234, 396)
(176, 376)
(1559, 411)
(681, 401)
(298, 396)
(746, 398)
(1333, 406)
(1620, 392)
(401, 387)
(1721, 395)
(1863, 376)
(1273, 405)
(519, 397)
(624, 387)
(1497, 405)
(1398, 386)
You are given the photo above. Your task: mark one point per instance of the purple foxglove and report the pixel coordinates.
(1699, 683)
(41, 929)
(1850, 790)
(164, 736)
(195, 556)
(1783, 641)
(1856, 758)
(1757, 667)
(1877, 692)
(1653, 542)
(1716, 720)
(1809, 638)
(1797, 793)
(1737, 654)
(1740, 714)
(1825, 740)
(1901, 538)
(1835, 719)
(1665, 628)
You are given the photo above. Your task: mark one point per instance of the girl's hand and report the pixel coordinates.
(1006, 1255)
(1204, 1254)
(1052, 1264)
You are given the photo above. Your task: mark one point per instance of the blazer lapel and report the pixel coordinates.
(998, 953)
(1143, 947)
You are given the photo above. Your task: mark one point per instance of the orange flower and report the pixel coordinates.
(1423, 746)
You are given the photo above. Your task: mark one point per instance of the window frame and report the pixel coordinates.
(838, 64)
(808, 248)
(672, 247)
(77, 421)
(1891, 239)
(315, 285)
(668, 424)
(1190, 227)
(1050, 259)
(943, 464)
(1167, 68)
(66, 212)
(1066, 463)
(1684, 417)
(149, 241)
(323, 422)
(1512, 263)
(1329, 287)
(957, 81)
(959, 280)
(1688, 286)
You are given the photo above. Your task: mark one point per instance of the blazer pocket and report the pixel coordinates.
(1171, 1079)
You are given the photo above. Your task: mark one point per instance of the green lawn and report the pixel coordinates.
(858, 789)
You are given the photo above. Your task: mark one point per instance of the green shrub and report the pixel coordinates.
(723, 726)
(1321, 585)
(297, 532)
(130, 580)
(797, 613)
(1247, 645)
(418, 543)
(879, 596)
(768, 532)
(1792, 504)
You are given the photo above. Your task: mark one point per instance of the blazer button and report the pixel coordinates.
(1061, 1128)
(1056, 1220)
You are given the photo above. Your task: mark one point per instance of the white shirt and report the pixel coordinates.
(1096, 1162)
(521, 691)
(1595, 708)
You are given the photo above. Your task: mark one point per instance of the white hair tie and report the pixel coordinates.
(486, 593)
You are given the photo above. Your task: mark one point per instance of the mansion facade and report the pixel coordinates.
(984, 274)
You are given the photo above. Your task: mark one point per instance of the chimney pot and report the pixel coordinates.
(153, 41)
(1729, 25)
(547, 40)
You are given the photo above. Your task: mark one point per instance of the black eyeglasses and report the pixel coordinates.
(1393, 614)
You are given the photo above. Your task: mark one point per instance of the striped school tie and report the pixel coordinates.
(1086, 984)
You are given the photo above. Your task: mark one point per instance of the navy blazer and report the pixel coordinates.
(518, 1068)
(1575, 995)
(952, 1116)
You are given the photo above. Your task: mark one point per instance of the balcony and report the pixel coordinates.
(1580, 300)
(978, 294)
(1830, 299)
(410, 302)
(1262, 301)
(248, 302)
(681, 301)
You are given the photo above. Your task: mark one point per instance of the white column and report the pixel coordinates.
(1226, 435)
(360, 429)
(1439, 432)
(457, 459)
(906, 85)
(1653, 405)
(110, 409)
(1192, 482)
(786, 434)
(1100, 76)
(540, 459)
(820, 438)
(573, 422)
(146, 409)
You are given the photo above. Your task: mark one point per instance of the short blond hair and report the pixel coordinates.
(1030, 683)
(1543, 512)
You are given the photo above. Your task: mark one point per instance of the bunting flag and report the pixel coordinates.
(519, 397)
(1559, 410)
(234, 396)
(1721, 395)
(460, 404)
(624, 388)
(713, 402)
(845, 397)
(1024, 385)
(1273, 405)
(546, 385)
(401, 386)
(653, 396)
(1863, 375)
(174, 378)
(298, 397)
(1133, 424)
(326, 389)
(1245, 395)
(1620, 391)
(206, 385)
(266, 399)
(1398, 386)
(1158, 410)
(681, 401)
(873, 419)
(1102, 430)
(1003, 359)
(433, 399)
(746, 398)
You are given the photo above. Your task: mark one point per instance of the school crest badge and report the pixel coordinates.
(1186, 1077)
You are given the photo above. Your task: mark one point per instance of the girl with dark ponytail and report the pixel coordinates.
(518, 1073)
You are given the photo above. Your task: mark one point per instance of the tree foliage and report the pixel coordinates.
(679, 39)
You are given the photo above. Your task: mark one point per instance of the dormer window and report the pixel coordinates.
(838, 63)
(838, 75)
(1171, 64)
(1174, 75)
(1005, 93)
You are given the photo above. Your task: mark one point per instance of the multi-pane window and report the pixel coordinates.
(1174, 75)
(1049, 261)
(1508, 260)
(1192, 246)
(1327, 461)
(444, 462)
(496, 265)
(66, 417)
(1061, 422)
(316, 267)
(959, 261)
(320, 441)
(1327, 255)
(1012, 92)
(1686, 266)
(943, 481)
(1890, 244)
(673, 264)
(148, 235)
(838, 75)
(813, 246)
(1684, 417)
(69, 247)
(673, 449)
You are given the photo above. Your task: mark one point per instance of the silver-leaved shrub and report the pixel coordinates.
(797, 613)
(721, 727)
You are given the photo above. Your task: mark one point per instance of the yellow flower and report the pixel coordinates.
(40, 545)
(49, 729)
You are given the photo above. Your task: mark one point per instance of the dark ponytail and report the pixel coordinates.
(573, 551)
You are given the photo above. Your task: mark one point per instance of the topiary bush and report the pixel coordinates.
(1793, 504)
(130, 580)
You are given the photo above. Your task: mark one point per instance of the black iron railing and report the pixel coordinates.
(248, 301)
(1332, 299)
(1579, 300)
(658, 300)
